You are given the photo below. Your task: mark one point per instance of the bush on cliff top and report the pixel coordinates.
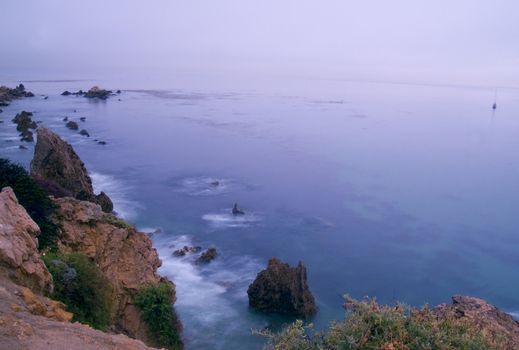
(157, 309)
(80, 285)
(368, 325)
(33, 198)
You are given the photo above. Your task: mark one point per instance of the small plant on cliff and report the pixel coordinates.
(33, 198)
(80, 285)
(156, 306)
(368, 325)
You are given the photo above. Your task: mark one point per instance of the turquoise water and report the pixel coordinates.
(395, 191)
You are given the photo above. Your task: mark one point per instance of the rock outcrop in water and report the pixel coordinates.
(24, 123)
(7, 94)
(19, 256)
(282, 289)
(94, 92)
(207, 256)
(58, 169)
(491, 321)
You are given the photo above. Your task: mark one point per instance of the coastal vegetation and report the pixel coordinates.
(156, 305)
(368, 325)
(82, 287)
(33, 198)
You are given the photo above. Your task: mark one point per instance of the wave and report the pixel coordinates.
(117, 191)
(207, 295)
(227, 219)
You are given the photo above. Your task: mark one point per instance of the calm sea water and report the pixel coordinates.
(395, 191)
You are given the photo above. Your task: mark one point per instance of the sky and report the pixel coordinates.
(448, 42)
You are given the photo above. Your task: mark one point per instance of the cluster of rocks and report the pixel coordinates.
(57, 167)
(8, 94)
(24, 124)
(204, 258)
(94, 92)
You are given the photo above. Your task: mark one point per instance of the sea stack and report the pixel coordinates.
(282, 289)
(57, 167)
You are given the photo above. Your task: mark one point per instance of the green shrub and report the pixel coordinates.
(33, 198)
(368, 325)
(157, 309)
(80, 285)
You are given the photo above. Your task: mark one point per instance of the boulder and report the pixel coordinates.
(7, 94)
(282, 289)
(58, 168)
(185, 250)
(105, 202)
(19, 255)
(72, 125)
(24, 122)
(83, 132)
(207, 256)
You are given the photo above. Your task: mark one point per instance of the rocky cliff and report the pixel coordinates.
(29, 320)
(123, 254)
(19, 256)
(57, 167)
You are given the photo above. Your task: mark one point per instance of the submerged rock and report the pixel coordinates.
(207, 256)
(58, 168)
(72, 125)
(282, 289)
(82, 119)
(83, 132)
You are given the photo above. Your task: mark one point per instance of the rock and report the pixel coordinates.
(7, 94)
(66, 93)
(96, 92)
(46, 98)
(26, 136)
(105, 202)
(118, 91)
(83, 132)
(65, 119)
(101, 143)
(207, 256)
(236, 210)
(24, 122)
(491, 321)
(215, 183)
(19, 256)
(72, 125)
(82, 119)
(58, 168)
(125, 256)
(22, 147)
(183, 251)
(282, 289)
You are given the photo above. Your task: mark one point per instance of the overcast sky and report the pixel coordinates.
(446, 41)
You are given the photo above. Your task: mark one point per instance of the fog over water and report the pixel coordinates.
(460, 42)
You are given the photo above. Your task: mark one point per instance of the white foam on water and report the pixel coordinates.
(204, 186)
(205, 292)
(117, 191)
(227, 219)
(514, 314)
